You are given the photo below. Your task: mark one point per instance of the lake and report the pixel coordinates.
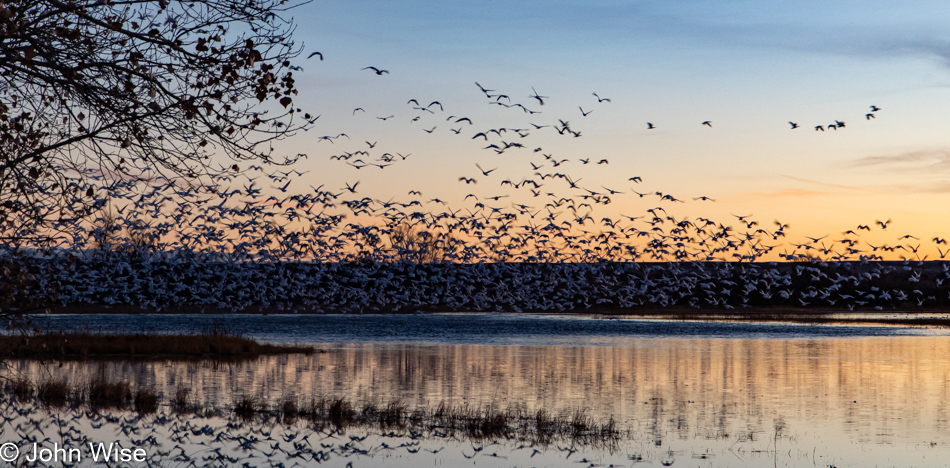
(693, 393)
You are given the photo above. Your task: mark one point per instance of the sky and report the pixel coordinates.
(747, 67)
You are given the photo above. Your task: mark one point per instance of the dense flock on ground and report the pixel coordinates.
(166, 247)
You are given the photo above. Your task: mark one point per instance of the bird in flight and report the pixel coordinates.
(600, 99)
(385, 118)
(377, 70)
(538, 97)
(708, 124)
(484, 172)
(316, 53)
(486, 91)
(650, 126)
(585, 114)
(793, 124)
(875, 108)
(869, 116)
(358, 109)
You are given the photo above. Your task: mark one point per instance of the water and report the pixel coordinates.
(489, 329)
(704, 394)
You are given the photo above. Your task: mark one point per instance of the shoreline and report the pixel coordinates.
(74, 346)
(931, 317)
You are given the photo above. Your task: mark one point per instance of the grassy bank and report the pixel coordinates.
(86, 345)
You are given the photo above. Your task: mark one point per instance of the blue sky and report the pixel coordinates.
(748, 67)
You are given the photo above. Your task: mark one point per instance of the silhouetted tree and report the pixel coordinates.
(93, 91)
(98, 91)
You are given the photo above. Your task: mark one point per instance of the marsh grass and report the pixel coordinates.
(393, 414)
(103, 394)
(21, 389)
(53, 393)
(146, 401)
(246, 407)
(181, 400)
(339, 414)
(289, 411)
(215, 343)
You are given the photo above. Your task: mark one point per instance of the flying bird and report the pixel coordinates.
(707, 123)
(793, 124)
(377, 70)
(538, 97)
(486, 91)
(484, 172)
(585, 114)
(316, 53)
(600, 99)
(650, 126)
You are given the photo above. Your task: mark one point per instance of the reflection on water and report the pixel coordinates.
(848, 397)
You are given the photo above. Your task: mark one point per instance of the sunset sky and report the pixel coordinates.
(747, 67)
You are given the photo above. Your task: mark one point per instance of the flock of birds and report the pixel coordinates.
(218, 436)
(164, 246)
(539, 241)
(188, 440)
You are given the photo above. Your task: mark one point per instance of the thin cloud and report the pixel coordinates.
(894, 33)
(790, 193)
(942, 186)
(826, 184)
(925, 160)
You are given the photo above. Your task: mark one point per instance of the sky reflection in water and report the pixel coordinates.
(712, 394)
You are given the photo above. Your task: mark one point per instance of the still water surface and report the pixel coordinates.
(706, 394)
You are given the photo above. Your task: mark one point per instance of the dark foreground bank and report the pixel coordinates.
(138, 346)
